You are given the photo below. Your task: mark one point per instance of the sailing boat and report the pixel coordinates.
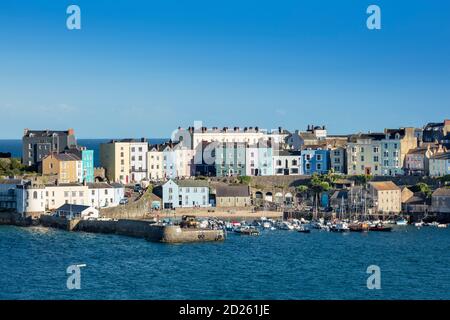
(340, 225)
(361, 226)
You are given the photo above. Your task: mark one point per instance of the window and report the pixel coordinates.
(375, 159)
(375, 149)
(319, 157)
(319, 166)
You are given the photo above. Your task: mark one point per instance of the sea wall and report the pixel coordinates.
(13, 218)
(135, 210)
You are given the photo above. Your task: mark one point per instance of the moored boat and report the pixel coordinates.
(380, 227)
(359, 227)
(401, 222)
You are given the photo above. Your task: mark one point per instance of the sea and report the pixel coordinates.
(14, 146)
(413, 264)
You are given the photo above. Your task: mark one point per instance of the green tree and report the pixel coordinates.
(423, 188)
(245, 180)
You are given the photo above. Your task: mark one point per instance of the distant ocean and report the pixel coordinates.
(15, 146)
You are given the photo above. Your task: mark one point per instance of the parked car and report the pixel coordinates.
(123, 201)
(137, 187)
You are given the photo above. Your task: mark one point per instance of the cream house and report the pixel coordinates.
(387, 197)
(155, 163)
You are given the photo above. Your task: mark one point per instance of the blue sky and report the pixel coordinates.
(143, 68)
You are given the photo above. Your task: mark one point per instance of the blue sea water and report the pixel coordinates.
(14, 146)
(276, 265)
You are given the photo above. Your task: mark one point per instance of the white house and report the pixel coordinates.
(138, 159)
(71, 211)
(155, 163)
(286, 162)
(185, 194)
(101, 195)
(32, 199)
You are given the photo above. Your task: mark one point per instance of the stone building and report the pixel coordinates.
(233, 196)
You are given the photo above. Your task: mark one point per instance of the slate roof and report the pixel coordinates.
(99, 185)
(74, 208)
(192, 183)
(65, 156)
(442, 156)
(442, 192)
(232, 191)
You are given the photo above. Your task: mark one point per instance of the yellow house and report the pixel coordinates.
(65, 166)
(115, 158)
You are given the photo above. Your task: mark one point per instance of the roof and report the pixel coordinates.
(384, 185)
(64, 156)
(373, 136)
(99, 185)
(285, 153)
(232, 191)
(416, 199)
(45, 133)
(192, 183)
(116, 185)
(307, 136)
(441, 156)
(418, 151)
(75, 208)
(442, 192)
(69, 184)
(11, 181)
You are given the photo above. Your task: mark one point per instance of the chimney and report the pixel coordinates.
(69, 132)
(25, 131)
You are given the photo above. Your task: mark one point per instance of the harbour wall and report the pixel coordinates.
(135, 228)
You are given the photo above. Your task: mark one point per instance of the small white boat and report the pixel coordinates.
(418, 224)
(442, 225)
(340, 227)
(266, 225)
(401, 222)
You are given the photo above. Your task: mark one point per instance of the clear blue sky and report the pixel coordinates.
(143, 68)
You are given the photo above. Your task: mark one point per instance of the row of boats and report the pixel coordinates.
(304, 226)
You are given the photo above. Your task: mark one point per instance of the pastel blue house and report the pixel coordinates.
(87, 165)
(185, 194)
(315, 161)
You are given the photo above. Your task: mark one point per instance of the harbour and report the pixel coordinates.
(277, 264)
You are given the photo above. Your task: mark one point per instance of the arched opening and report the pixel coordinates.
(35, 195)
(269, 196)
(258, 195)
(288, 198)
(278, 197)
